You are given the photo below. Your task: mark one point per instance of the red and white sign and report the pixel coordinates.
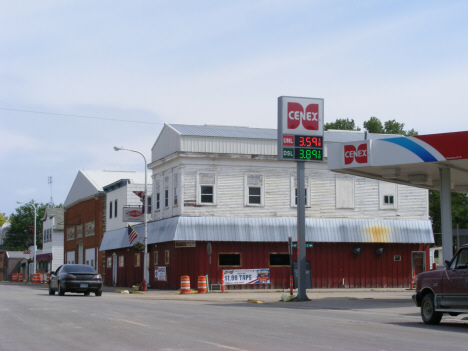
(300, 116)
(351, 154)
(308, 117)
(288, 140)
(132, 214)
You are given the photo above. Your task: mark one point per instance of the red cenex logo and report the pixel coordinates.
(309, 117)
(351, 154)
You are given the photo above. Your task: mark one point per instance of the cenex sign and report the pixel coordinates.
(300, 129)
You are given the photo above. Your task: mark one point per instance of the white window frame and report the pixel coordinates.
(166, 198)
(201, 183)
(157, 202)
(247, 186)
(175, 200)
(388, 189)
(293, 192)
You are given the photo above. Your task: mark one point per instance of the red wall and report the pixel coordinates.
(330, 264)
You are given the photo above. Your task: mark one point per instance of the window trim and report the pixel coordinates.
(166, 198)
(157, 202)
(174, 197)
(214, 186)
(137, 259)
(247, 190)
(385, 191)
(149, 204)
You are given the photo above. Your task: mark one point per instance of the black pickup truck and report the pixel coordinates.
(445, 290)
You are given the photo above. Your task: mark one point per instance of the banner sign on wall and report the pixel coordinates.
(246, 276)
(132, 214)
(160, 274)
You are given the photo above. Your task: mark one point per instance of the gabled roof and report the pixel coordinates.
(208, 130)
(89, 183)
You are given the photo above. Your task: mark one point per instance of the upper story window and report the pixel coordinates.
(388, 196)
(294, 192)
(148, 205)
(344, 188)
(175, 197)
(115, 208)
(166, 198)
(157, 201)
(254, 190)
(110, 209)
(206, 188)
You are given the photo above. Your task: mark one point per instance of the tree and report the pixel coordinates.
(19, 236)
(342, 124)
(373, 125)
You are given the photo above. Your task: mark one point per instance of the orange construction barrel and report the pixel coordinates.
(201, 284)
(20, 277)
(14, 277)
(185, 284)
(36, 278)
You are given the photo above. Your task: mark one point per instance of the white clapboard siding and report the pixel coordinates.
(230, 174)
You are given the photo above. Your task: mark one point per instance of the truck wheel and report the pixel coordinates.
(428, 313)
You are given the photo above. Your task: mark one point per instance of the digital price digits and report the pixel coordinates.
(307, 141)
(308, 154)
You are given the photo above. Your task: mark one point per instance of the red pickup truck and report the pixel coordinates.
(445, 290)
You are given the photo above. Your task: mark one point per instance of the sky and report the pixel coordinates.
(79, 77)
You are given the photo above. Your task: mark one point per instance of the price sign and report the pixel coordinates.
(300, 129)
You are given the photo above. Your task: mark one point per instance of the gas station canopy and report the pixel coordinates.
(414, 161)
(435, 161)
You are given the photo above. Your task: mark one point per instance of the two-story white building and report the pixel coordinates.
(224, 186)
(51, 256)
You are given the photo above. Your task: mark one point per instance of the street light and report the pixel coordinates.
(31, 204)
(145, 220)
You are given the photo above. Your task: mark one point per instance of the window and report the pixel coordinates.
(206, 196)
(230, 259)
(115, 208)
(206, 188)
(175, 196)
(344, 192)
(109, 262)
(254, 192)
(121, 261)
(295, 197)
(156, 258)
(110, 209)
(460, 261)
(157, 202)
(388, 196)
(279, 259)
(255, 195)
(148, 205)
(166, 257)
(166, 198)
(137, 259)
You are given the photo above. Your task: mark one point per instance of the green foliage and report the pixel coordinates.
(373, 125)
(19, 238)
(459, 211)
(342, 124)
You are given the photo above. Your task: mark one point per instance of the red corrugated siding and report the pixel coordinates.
(330, 264)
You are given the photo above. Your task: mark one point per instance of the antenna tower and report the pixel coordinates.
(51, 203)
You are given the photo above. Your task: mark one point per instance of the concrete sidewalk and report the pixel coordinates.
(265, 295)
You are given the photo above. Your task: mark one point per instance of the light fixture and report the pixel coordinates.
(379, 250)
(357, 251)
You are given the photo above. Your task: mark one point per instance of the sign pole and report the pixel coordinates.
(301, 245)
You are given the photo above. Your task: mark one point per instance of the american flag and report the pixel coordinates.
(27, 251)
(132, 234)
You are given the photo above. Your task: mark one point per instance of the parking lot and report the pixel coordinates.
(384, 319)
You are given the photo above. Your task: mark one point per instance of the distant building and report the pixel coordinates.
(87, 214)
(51, 256)
(224, 186)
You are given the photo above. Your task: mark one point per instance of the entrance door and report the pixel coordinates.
(418, 262)
(114, 269)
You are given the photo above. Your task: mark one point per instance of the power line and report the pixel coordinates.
(79, 116)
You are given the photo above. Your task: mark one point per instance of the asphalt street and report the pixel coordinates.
(161, 320)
